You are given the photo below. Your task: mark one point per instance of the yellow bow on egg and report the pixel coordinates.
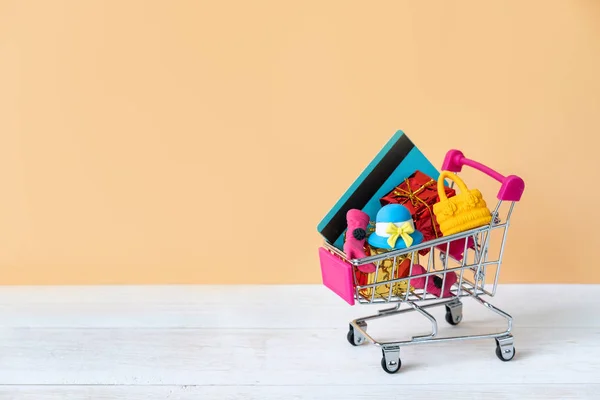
(396, 231)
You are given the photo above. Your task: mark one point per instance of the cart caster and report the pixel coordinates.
(454, 313)
(505, 349)
(391, 367)
(390, 362)
(356, 338)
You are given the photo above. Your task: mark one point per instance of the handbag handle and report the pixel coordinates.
(512, 186)
(440, 184)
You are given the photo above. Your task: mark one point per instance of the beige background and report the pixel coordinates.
(160, 141)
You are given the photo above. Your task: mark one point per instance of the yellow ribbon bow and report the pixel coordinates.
(396, 231)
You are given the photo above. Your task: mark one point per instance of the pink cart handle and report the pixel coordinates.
(512, 186)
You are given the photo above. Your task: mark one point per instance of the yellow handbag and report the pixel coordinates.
(466, 210)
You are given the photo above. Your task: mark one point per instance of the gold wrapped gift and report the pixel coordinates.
(384, 273)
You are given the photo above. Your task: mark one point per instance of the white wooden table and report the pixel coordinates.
(284, 342)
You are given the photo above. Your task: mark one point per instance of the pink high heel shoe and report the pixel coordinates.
(354, 245)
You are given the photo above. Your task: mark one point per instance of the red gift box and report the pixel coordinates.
(418, 193)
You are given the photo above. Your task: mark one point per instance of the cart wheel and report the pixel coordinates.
(350, 337)
(454, 318)
(391, 367)
(356, 340)
(452, 321)
(505, 349)
(506, 355)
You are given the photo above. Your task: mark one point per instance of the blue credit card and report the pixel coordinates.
(396, 161)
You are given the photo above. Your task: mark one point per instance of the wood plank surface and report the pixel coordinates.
(233, 342)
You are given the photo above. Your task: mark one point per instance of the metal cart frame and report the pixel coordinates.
(474, 270)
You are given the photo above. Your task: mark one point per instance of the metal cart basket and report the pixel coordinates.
(440, 278)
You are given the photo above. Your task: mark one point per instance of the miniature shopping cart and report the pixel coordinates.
(473, 272)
